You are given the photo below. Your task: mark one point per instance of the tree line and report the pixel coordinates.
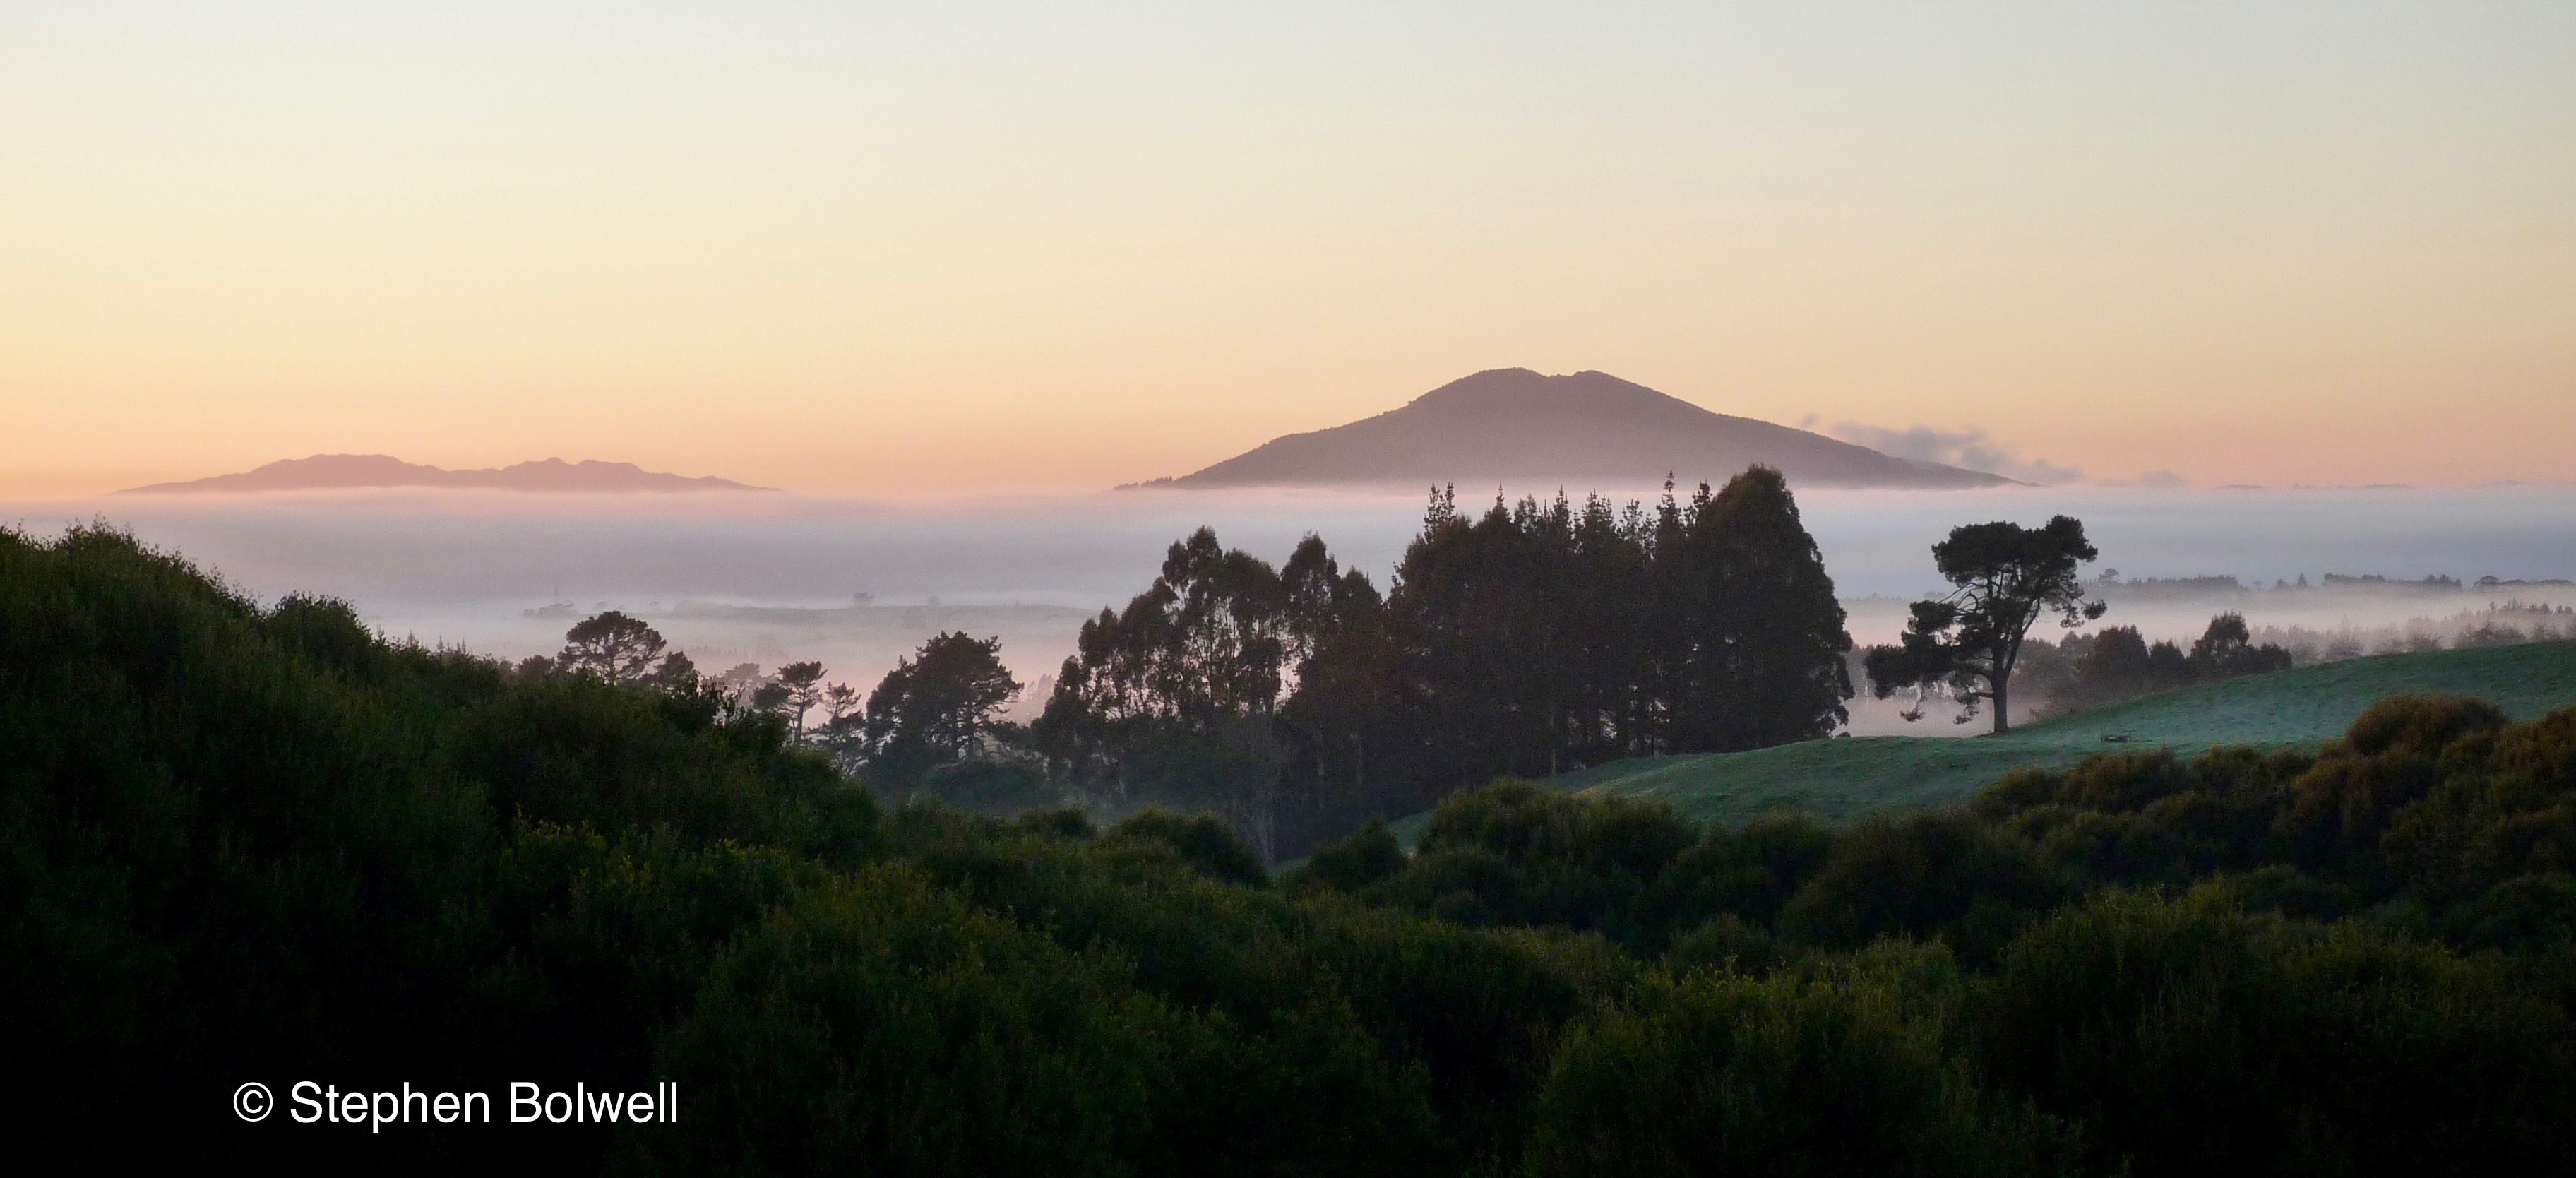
(2117, 663)
(1299, 700)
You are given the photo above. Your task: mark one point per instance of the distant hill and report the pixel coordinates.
(328, 471)
(1841, 779)
(1518, 425)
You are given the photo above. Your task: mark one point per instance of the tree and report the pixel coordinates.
(611, 645)
(739, 680)
(1515, 636)
(676, 674)
(1539, 637)
(1753, 631)
(1202, 647)
(840, 701)
(932, 708)
(2119, 663)
(800, 689)
(2226, 649)
(845, 726)
(1177, 699)
(1348, 717)
(2007, 577)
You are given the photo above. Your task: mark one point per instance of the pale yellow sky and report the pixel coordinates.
(879, 250)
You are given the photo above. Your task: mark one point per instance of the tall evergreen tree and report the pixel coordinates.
(1758, 633)
(1533, 638)
(1480, 609)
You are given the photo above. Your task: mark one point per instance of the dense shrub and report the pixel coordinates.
(2193, 1038)
(874, 1025)
(1370, 854)
(1827, 1073)
(1515, 853)
(1922, 875)
(241, 842)
(1205, 844)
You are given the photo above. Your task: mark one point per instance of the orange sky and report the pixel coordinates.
(1078, 245)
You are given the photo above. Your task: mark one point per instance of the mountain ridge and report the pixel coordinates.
(356, 471)
(1514, 423)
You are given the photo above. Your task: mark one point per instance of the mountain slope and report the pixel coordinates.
(1512, 423)
(345, 471)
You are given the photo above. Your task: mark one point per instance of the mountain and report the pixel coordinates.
(324, 471)
(1512, 423)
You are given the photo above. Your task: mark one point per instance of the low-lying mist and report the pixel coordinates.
(857, 583)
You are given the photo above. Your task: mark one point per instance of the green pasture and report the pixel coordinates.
(1847, 777)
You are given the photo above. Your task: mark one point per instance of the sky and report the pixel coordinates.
(866, 249)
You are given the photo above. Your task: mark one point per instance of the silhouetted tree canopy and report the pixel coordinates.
(676, 673)
(799, 688)
(611, 645)
(934, 707)
(1751, 637)
(2119, 663)
(2007, 578)
(1532, 639)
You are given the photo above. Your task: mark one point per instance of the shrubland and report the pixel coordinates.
(243, 841)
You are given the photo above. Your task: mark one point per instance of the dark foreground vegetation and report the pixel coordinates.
(244, 843)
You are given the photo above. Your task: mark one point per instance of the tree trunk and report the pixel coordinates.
(2002, 698)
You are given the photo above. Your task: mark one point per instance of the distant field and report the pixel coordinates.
(1845, 778)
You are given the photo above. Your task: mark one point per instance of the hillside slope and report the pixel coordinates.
(1512, 423)
(1845, 778)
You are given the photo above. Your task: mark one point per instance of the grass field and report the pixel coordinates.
(1845, 778)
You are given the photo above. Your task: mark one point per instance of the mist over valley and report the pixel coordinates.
(773, 578)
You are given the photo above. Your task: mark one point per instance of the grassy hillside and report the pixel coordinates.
(1845, 778)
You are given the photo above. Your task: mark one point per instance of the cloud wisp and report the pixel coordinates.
(2153, 480)
(1970, 448)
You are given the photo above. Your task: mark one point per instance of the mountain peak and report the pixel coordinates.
(1516, 424)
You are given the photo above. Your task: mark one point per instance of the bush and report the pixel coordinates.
(2195, 1038)
(1208, 846)
(877, 1026)
(1748, 873)
(1515, 853)
(1723, 1074)
(1370, 854)
(1926, 875)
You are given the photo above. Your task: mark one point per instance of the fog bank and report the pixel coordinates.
(766, 578)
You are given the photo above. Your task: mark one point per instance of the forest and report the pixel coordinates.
(243, 841)
(1300, 702)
